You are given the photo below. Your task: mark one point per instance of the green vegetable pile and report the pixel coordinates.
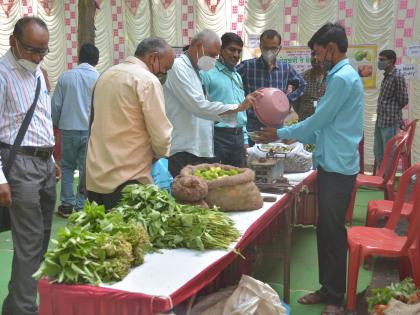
(172, 225)
(95, 247)
(309, 147)
(400, 291)
(215, 172)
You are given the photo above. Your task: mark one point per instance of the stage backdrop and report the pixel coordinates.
(121, 24)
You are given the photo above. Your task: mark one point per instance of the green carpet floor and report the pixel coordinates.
(304, 270)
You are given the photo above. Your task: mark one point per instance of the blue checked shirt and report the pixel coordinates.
(255, 75)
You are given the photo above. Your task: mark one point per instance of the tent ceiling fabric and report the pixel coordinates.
(122, 24)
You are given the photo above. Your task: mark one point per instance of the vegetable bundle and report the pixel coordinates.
(172, 225)
(95, 247)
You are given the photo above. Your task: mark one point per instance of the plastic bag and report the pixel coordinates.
(160, 174)
(251, 297)
(399, 308)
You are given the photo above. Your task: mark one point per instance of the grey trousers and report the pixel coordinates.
(32, 183)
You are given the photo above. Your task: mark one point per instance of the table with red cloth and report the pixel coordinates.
(169, 277)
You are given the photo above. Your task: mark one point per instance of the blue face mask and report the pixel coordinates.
(382, 64)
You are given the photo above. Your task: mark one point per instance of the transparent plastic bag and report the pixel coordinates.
(251, 297)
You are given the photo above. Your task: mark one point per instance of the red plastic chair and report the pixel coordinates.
(383, 208)
(385, 179)
(406, 152)
(369, 241)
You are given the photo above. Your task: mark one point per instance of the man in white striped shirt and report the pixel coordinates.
(29, 189)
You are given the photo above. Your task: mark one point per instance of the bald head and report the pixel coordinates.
(204, 43)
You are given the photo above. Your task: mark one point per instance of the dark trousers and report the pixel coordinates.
(110, 200)
(229, 147)
(335, 191)
(181, 159)
(32, 183)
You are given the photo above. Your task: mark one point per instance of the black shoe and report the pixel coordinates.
(64, 211)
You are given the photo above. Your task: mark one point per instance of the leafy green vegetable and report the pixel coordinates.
(400, 291)
(95, 247)
(172, 225)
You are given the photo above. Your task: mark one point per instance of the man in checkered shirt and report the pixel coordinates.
(392, 98)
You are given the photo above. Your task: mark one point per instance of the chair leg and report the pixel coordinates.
(350, 209)
(404, 268)
(414, 256)
(353, 274)
(389, 193)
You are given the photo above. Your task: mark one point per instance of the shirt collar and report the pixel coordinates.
(87, 66)
(262, 63)
(221, 67)
(137, 61)
(390, 73)
(338, 66)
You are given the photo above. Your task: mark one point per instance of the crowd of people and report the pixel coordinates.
(193, 109)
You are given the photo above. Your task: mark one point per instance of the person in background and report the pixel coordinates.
(188, 108)
(393, 96)
(129, 125)
(29, 189)
(224, 84)
(305, 105)
(336, 129)
(266, 71)
(70, 112)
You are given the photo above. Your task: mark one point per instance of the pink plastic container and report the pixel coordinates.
(272, 108)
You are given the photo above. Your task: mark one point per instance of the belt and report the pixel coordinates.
(41, 152)
(232, 131)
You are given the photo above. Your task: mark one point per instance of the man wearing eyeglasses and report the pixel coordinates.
(266, 71)
(29, 188)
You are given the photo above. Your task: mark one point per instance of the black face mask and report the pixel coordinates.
(327, 65)
(162, 77)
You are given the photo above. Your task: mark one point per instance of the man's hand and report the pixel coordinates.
(267, 135)
(5, 195)
(250, 100)
(57, 172)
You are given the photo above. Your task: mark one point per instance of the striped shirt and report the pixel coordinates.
(17, 92)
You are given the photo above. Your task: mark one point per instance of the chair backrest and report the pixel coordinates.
(391, 157)
(411, 129)
(413, 232)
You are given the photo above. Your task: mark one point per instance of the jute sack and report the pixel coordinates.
(231, 193)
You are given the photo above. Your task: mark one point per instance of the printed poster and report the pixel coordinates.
(364, 58)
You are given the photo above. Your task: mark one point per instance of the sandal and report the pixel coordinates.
(316, 297)
(333, 310)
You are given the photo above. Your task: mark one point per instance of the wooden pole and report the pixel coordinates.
(86, 22)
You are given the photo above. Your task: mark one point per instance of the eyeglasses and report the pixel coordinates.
(33, 50)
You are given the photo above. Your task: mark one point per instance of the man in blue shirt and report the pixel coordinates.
(266, 71)
(336, 128)
(70, 112)
(224, 84)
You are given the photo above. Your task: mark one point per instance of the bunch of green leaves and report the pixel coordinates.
(81, 256)
(400, 291)
(172, 225)
(95, 247)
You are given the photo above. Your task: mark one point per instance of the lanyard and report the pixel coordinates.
(236, 81)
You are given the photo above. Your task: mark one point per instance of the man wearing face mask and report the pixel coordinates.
(336, 129)
(28, 188)
(224, 84)
(393, 96)
(129, 125)
(188, 108)
(266, 71)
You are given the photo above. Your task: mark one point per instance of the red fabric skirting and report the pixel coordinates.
(59, 299)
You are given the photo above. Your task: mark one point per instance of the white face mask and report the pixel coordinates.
(32, 67)
(205, 63)
(269, 56)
